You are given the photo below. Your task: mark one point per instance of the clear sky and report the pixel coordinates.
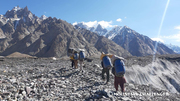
(143, 16)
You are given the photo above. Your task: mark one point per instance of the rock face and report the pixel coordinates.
(108, 46)
(96, 29)
(47, 79)
(101, 31)
(24, 32)
(103, 44)
(135, 43)
(130, 40)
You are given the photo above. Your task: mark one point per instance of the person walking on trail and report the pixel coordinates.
(76, 57)
(106, 64)
(118, 70)
(72, 59)
(81, 58)
(71, 56)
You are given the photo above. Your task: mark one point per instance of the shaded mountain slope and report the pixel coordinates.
(137, 44)
(103, 44)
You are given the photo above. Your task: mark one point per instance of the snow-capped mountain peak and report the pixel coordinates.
(97, 29)
(100, 30)
(16, 8)
(82, 25)
(43, 17)
(115, 31)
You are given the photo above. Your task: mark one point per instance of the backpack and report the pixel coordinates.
(81, 55)
(106, 62)
(76, 56)
(119, 67)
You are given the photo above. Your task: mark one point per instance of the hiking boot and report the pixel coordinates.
(103, 79)
(106, 83)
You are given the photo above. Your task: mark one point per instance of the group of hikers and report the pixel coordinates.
(75, 56)
(108, 61)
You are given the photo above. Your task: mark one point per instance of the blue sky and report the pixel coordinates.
(143, 16)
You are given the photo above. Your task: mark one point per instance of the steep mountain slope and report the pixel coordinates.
(43, 37)
(130, 40)
(108, 46)
(26, 33)
(103, 44)
(135, 43)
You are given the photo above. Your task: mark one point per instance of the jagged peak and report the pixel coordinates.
(43, 17)
(99, 27)
(16, 8)
(26, 8)
(17, 12)
(117, 27)
(82, 25)
(126, 26)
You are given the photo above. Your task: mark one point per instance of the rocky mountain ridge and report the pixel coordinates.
(98, 29)
(22, 31)
(102, 44)
(139, 45)
(133, 42)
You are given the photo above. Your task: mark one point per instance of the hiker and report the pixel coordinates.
(76, 57)
(71, 56)
(72, 59)
(81, 58)
(118, 70)
(106, 64)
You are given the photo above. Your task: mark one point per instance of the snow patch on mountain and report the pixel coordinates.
(16, 23)
(97, 28)
(175, 48)
(120, 30)
(16, 8)
(112, 33)
(43, 17)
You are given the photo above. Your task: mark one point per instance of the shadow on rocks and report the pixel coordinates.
(98, 95)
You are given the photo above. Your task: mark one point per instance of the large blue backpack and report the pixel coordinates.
(106, 62)
(76, 56)
(119, 67)
(81, 55)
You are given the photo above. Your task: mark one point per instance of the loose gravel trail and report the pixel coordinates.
(44, 79)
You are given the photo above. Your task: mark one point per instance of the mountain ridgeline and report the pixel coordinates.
(21, 31)
(132, 41)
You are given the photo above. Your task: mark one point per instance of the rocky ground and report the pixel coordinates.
(44, 79)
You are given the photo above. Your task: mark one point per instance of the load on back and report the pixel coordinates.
(81, 55)
(118, 65)
(107, 62)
